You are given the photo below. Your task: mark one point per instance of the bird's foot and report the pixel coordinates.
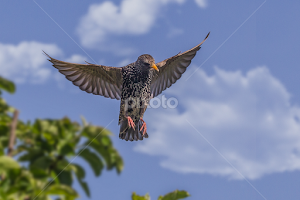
(143, 127)
(131, 123)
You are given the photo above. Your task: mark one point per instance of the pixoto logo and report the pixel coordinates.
(156, 102)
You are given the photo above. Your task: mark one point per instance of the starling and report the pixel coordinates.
(134, 84)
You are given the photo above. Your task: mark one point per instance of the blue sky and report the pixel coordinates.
(236, 131)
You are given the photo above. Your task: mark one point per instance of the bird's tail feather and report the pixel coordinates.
(128, 133)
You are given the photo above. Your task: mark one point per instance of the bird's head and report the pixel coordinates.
(147, 62)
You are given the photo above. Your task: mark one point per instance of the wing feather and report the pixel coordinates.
(96, 79)
(171, 69)
(99, 90)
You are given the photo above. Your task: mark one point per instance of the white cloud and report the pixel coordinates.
(248, 118)
(76, 58)
(174, 32)
(25, 62)
(131, 17)
(124, 62)
(201, 3)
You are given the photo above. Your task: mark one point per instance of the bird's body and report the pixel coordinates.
(133, 84)
(135, 90)
(135, 97)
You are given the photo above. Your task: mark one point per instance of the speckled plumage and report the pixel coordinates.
(135, 95)
(136, 82)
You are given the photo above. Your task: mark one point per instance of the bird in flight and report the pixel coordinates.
(134, 84)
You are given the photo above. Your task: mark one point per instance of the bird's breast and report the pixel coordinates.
(136, 85)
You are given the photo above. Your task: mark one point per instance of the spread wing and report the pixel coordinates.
(171, 69)
(96, 79)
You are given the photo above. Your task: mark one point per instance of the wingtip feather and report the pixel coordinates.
(207, 35)
(47, 55)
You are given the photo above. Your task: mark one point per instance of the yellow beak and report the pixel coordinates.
(155, 67)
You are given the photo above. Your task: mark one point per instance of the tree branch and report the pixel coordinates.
(12, 135)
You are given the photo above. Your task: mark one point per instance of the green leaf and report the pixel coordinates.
(83, 121)
(14, 174)
(79, 171)
(67, 149)
(62, 164)
(119, 164)
(38, 172)
(54, 177)
(42, 125)
(105, 141)
(177, 194)
(95, 132)
(134, 196)
(109, 154)
(31, 155)
(42, 162)
(80, 174)
(7, 85)
(94, 161)
(62, 190)
(65, 177)
(85, 187)
(7, 163)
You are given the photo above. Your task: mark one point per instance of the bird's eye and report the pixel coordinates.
(147, 64)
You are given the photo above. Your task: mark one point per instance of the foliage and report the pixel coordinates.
(41, 166)
(134, 196)
(5, 113)
(175, 195)
(18, 183)
(7, 85)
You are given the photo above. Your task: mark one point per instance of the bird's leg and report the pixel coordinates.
(131, 123)
(143, 126)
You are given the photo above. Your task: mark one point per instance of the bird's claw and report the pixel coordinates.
(131, 123)
(143, 127)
